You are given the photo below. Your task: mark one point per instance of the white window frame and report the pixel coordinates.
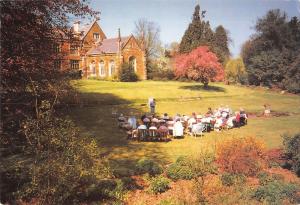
(134, 63)
(91, 69)
(111, 63)
(102, 68)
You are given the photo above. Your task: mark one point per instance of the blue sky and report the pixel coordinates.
(173, 16)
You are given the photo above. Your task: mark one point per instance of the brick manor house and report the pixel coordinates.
(98, 56)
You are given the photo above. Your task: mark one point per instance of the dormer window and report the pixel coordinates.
(96, 36)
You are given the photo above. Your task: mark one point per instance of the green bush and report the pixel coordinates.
(191, 167)
(62, 161)
(159, 184)
(265, 178)
(127, 73)
(148, 166)
(177, 171)
(274, 192)
(229, 179)
(292, 151)
(169, 202)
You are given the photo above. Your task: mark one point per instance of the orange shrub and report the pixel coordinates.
(241, 156)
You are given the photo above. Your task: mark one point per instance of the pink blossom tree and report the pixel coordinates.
(200, 65)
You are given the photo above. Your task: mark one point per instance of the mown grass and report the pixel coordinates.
(103, 98)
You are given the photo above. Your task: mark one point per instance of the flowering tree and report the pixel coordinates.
(200, 64)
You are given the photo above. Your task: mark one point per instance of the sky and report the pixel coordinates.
(173, 16)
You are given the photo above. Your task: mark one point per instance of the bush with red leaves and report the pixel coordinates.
(241, 156)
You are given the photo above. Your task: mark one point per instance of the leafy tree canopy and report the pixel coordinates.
(200, 65)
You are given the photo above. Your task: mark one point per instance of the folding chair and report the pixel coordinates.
(198, 129)
(142, 134)
(152, 134)
(163, 136)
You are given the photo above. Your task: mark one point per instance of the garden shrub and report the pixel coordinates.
(292, 151)
(159, 184)
(63, 162)
(191, 167)
(275, 157)
(265, 178)
(229, 179)
(169, 202)
(274, 192)
(148, 166)
(127, 73)
(177, 171)
(241, 156)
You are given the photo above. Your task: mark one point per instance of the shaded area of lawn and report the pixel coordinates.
(96, 116)
(211, 88)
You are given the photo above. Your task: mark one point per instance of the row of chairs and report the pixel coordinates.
(151, 135)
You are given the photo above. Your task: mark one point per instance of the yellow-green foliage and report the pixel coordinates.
(63, 163)
(235, 70)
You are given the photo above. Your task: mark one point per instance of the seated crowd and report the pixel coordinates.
(151, 127)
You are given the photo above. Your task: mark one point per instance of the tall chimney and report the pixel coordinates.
(119, 40)
(76, 26)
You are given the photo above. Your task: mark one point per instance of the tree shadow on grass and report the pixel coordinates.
(96, 116)
(201, 87)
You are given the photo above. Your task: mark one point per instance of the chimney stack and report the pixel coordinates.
(76, 26)
(119, 40)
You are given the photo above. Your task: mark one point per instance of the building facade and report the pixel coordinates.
(95, 55)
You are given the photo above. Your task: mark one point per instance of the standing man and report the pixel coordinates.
(152, 105)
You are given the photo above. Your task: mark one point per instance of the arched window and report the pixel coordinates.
(93, 68)
(101, 68)
(112, 68)
(132, 62)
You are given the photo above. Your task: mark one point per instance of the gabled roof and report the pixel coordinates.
(108, 46)
(86, 28)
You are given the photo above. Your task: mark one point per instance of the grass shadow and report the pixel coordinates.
(211, 88)
(96, 116)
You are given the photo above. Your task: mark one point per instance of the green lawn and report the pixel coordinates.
(102, 98)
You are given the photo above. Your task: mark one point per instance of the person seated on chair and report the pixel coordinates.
(155, 119)
(165, 116)
(142, 126)
(218, 123)
(121, 118)
(152, 127)
(177, 129)
(185, 118)
(191, 122)
(243, 117)
(176, 117)
(230, 122)
(236, 120)
(197, 129)
(132, 121)
(163, 128)
(217, 113)
(146, 121)
(209, 112)
(225, 114)
(267, 110)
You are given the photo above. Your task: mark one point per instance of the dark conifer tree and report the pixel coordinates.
(198, 32)
(221, 42)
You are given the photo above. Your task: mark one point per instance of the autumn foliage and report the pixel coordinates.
(241, 156)
(200, 65)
